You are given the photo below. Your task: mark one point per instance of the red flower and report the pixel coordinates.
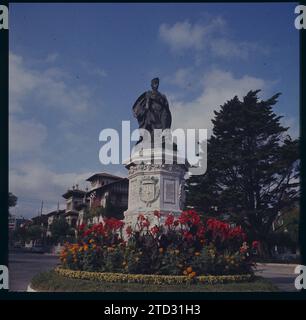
(189, 217)
(169, 220)
(183, 218)
(86, 233)
(236, 232)
(187, 235)
(113, 224)
(255, 244)
(220, 229)
(154, 230)
(201, 232)
(81, 227)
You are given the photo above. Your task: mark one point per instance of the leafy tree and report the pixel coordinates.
(20, 234)
(12, 200)
(291, 223)
(60, 229)
(253, 167)
(34, 232)
(112, 211)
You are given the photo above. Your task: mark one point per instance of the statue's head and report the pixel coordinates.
(155, 83)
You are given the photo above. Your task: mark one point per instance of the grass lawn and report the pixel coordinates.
(51, 281)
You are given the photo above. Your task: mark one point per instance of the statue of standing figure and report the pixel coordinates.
(151, 110)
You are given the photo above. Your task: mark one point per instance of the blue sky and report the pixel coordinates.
(76, 69)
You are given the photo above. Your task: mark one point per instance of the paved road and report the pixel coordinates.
(24, 266)
(281, 275)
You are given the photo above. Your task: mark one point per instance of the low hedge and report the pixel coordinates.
(151, 279)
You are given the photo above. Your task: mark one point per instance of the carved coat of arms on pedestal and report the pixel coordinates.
(149, 190)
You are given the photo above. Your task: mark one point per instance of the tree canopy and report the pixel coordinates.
(60, 229)
(252, 166)
(12, 200)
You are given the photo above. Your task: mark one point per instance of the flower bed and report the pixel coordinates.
(150, 279)
(184, 246)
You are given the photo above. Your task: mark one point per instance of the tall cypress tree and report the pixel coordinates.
(253, 167)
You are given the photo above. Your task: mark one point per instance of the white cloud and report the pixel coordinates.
(42, 87)
(218, 87)
(99, 72)
(185, 35)
(51, 57)
(182, 35)
(183, 78)
(227, 48)
(211, 37)
(293, 124)
(21, 83)
(34, 181)
(92, 69)
(49, 87)
(25, 136)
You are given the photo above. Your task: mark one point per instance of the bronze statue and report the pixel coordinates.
(152, 109)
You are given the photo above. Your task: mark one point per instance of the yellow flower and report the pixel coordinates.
(124, 263)
(177, 251)
(85, 247)
(161, 250)
(197, 253)
(91, 240)
(192, 274)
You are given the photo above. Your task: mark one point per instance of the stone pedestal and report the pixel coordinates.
(154, 184)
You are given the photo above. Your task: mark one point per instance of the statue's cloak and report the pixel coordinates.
(156, 116)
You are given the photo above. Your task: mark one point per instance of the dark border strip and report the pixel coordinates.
(4, 144)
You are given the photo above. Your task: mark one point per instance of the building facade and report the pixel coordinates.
(106, 197)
